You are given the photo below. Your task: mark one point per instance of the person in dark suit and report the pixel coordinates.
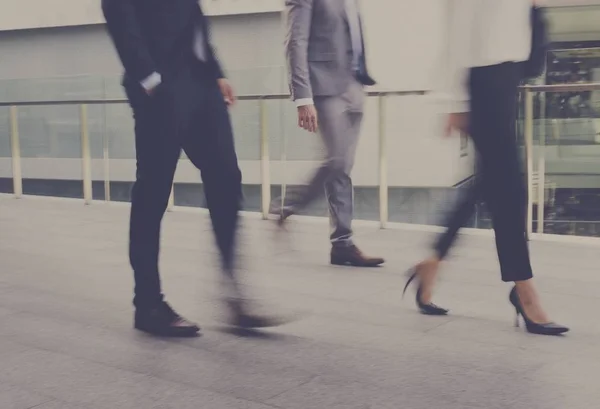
(179, 97)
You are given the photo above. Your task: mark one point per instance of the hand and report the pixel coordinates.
(307, 118)
(151, 91)
(227, 91)
(457, 122)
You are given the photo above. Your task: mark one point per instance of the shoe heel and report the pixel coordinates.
(338, 261)
(517, 324)
(425, 309)
(411, 274)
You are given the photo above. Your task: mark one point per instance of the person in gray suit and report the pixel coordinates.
(327, 66)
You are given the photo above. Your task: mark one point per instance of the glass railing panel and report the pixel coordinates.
(294, 153)
(116, 142)
(424, 169)
(96, 126)
(53, 133)
(4, 133)
(246, 122)
(49, 132)
(365, 173)
(566, 161)
(50, 141)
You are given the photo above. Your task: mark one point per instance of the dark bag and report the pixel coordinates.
(534, 66)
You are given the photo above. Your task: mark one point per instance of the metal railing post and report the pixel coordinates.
(15, 153)
(265, 172)
(383, 167)
(106, 165)
(86, 157)
(541, 170)
(528, 136)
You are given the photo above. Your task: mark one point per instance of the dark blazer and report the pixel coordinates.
(157, 36)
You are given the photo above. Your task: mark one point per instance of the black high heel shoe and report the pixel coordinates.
(425, 309)
(549, 328)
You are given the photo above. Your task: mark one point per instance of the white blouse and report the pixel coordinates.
(482, 33)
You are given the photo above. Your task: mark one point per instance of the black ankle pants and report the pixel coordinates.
(500, 183)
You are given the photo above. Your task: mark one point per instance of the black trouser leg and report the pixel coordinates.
(493, 92)
(461, 214)
(493, 114)
(210, 146)
(157, 152)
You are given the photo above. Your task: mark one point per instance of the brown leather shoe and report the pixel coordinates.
(352, 256)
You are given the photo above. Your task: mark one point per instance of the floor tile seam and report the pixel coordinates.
(130, 371)
(51, 400)
(114, 330)
(306, 382)
(26, 388)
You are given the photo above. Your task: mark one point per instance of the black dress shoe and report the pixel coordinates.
(352, 256)
(165, 322)
(240, 317)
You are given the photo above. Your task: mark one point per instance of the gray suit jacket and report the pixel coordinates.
(318, 48)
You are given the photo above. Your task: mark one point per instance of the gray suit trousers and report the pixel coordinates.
(339, 119)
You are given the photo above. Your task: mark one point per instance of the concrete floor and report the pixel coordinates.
(66, 340)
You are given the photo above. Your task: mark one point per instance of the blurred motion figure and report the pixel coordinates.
(492, 44)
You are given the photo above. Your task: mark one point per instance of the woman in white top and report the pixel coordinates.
(489, 41)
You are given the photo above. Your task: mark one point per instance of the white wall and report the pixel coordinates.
(57, 52)
(26, 14)
(406, 50)
(405, 40)
(23, 14)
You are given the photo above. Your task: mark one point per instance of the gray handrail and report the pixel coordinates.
(589, 86)
(594, 86)
(249, 97)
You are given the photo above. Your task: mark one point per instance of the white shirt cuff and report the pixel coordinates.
(304, 101)
(152, 81)
(459, 106)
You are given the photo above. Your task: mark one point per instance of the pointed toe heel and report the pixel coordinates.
(548, 328)
(424, 308)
